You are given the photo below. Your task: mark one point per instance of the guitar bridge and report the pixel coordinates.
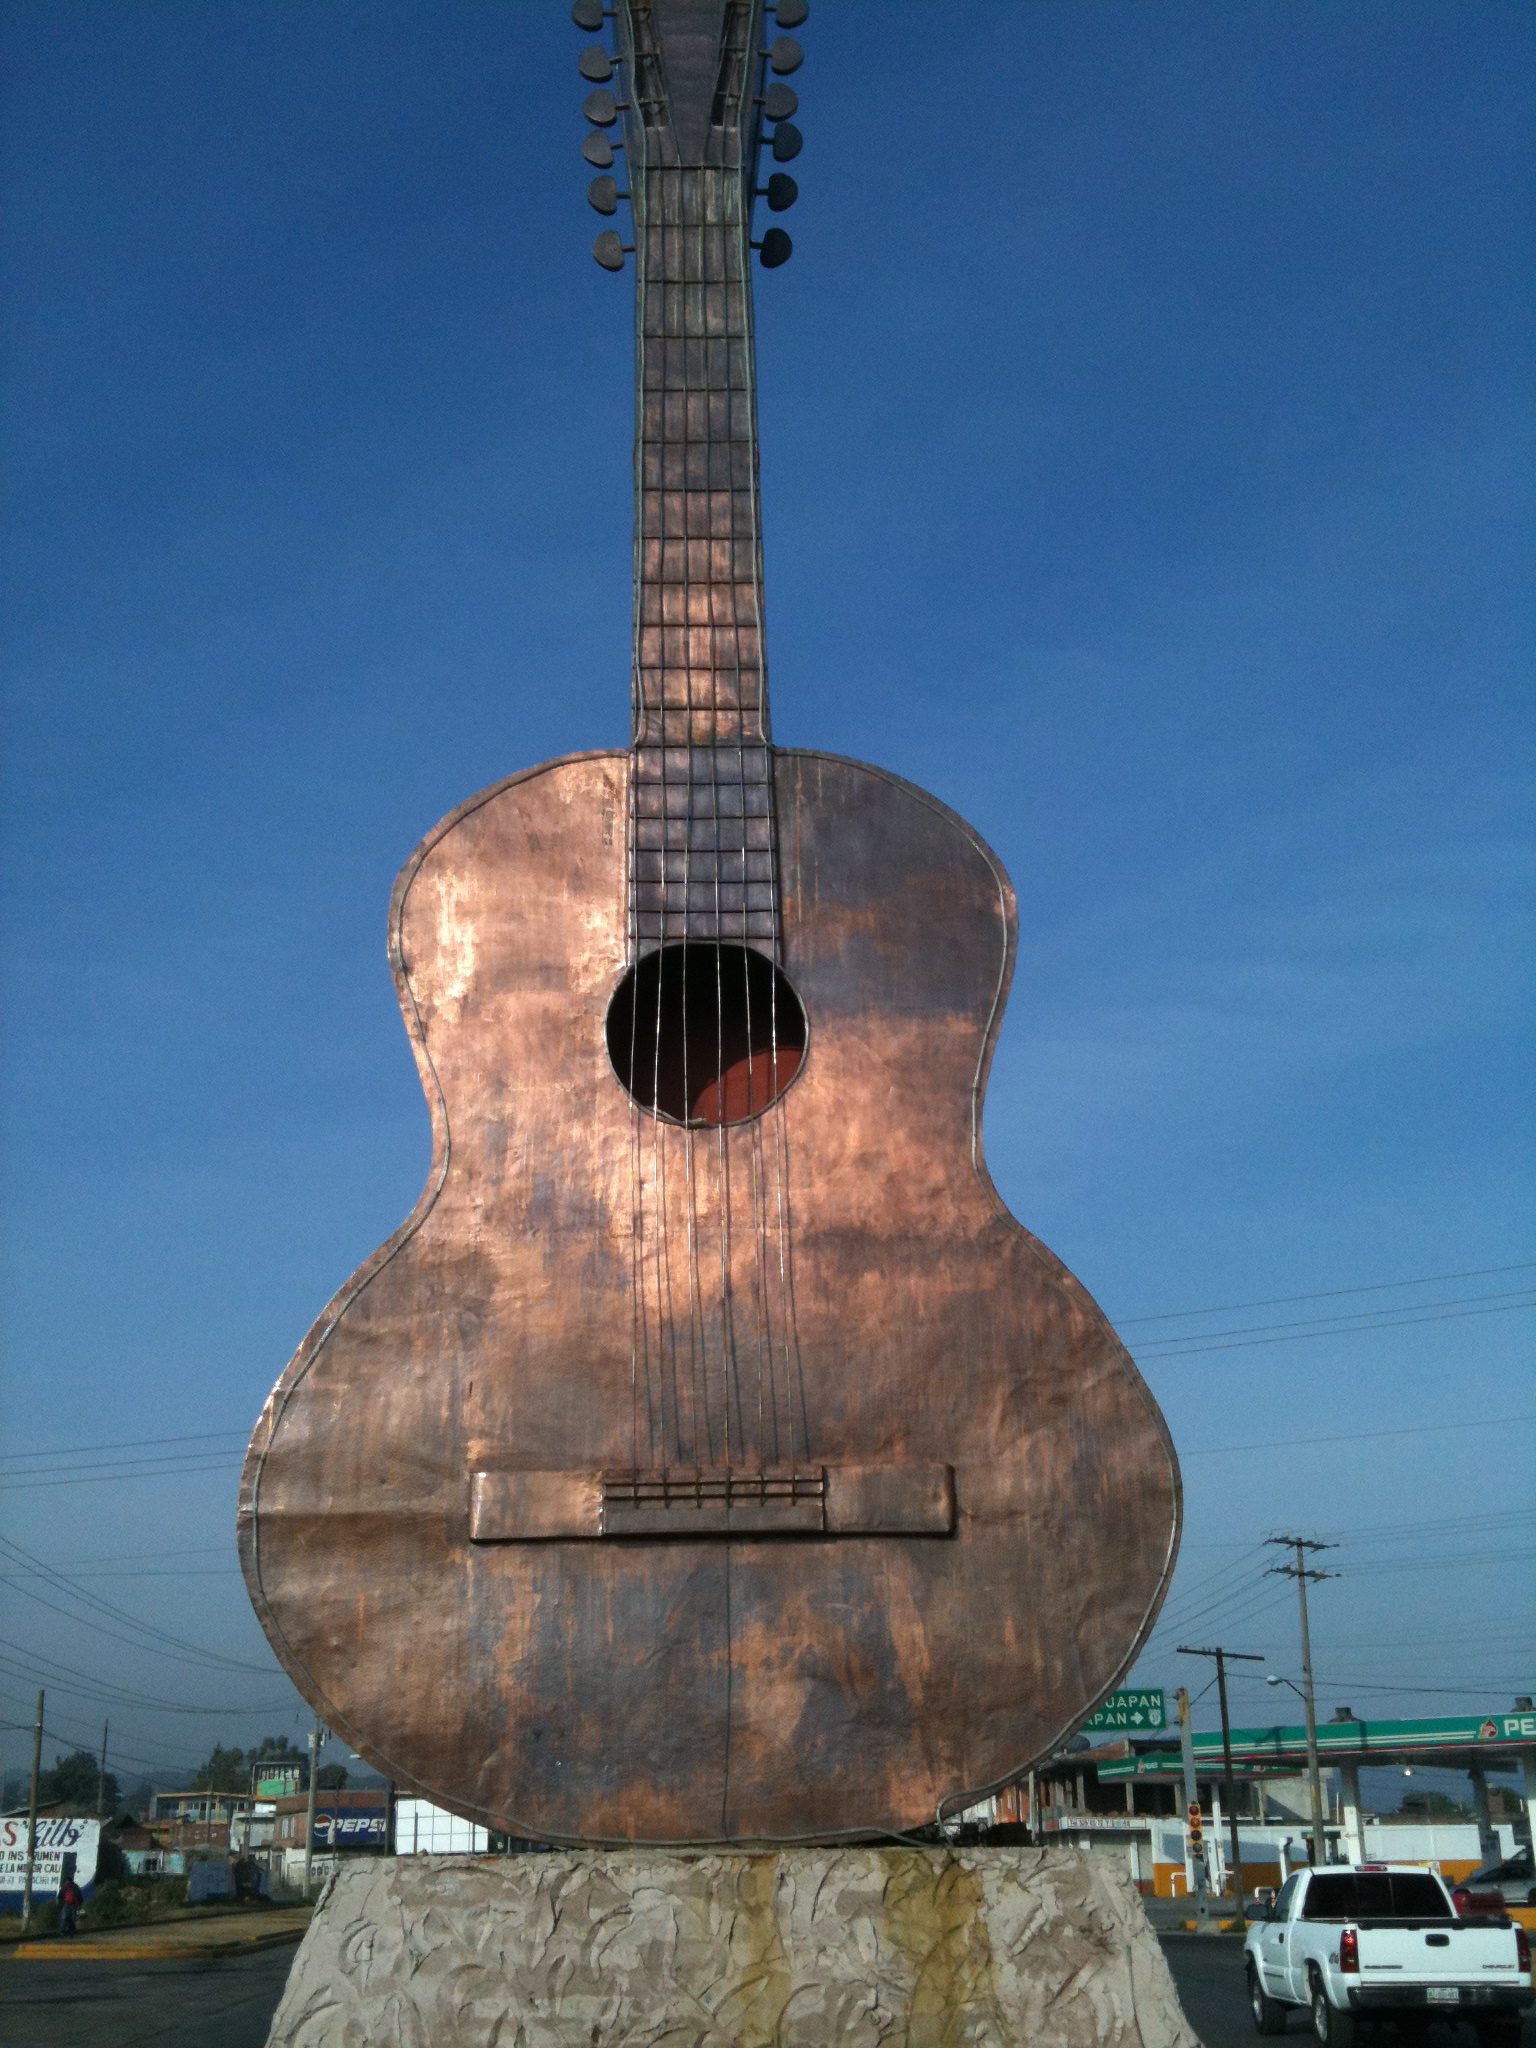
(798, 1500)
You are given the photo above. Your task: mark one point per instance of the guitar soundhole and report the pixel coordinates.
(706, 1034)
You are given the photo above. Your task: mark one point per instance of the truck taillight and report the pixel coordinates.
(1349, 1952)
(1522, 1948)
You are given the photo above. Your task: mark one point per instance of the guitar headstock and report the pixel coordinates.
(690, 83)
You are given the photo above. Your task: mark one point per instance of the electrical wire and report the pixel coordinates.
(45, 1665)
(189, 1653)
(237, 1436)
(1305, 1336)
(1356, 1436)
(1232, 1308)
(133, 1443)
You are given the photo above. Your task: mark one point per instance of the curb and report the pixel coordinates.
(87, 1951)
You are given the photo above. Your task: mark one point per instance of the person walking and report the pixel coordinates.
(71, 1899)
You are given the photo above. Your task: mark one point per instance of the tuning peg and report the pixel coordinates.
(779, 102)
(610, 251)
(595, 63)
(784, 55)
(602, 109)
(598, 150)
(775, 248)
(790, 13)
(590, 14)
(603, 195)
(787, 142)
(781, 192)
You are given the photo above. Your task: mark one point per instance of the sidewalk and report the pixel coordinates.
(221, 1934)
(1177, 1916)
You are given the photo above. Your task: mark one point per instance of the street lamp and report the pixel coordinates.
(1308, 1700)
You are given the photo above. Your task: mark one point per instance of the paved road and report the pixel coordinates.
(1209, 1973)
(229, 2002)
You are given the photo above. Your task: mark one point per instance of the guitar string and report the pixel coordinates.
(639, 1316)
(665, 1315)
(743, 338)
(711, 184)
(737, 351)
(788, 1318)
(692, 296)
(656, 1440)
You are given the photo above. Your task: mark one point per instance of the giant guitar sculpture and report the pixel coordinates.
(710, 1455)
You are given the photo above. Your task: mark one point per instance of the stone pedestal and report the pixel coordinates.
(797, 1948)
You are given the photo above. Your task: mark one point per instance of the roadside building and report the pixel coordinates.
(140, 1847)
(189, 1821)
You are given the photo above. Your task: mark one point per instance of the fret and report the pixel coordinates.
(703, 854)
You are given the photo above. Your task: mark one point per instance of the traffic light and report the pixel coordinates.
(1196, 1833)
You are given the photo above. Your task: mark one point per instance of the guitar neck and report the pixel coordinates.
(702, 835)
(699, 676)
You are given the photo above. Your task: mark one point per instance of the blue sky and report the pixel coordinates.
(1147, 456)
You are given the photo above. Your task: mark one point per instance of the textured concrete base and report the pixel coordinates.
(803, 1948)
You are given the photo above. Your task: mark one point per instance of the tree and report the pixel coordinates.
(76, 1780)
(136, 1799)
(1435, 1806)
(277, 1749)
(331, 1777)
(225, 1771)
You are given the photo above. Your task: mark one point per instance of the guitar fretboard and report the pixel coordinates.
(702, 827)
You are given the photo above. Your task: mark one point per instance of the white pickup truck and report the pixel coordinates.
(1382, 1941)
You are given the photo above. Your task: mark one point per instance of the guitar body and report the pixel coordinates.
(586, 1289)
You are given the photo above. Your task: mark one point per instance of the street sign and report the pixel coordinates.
(1134, 1713)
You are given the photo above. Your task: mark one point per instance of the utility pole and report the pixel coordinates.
(1300, 1573)
(1192, 1798)
(1229, 1789)
(316, 1737)
(101, 1775)
(37, 1765)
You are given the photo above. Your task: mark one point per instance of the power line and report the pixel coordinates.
(239, 1434)
(169, 1461)
(154, 1763)
(133, 1443)
(1371, 1317)
(117, 1476)
(1401, 1322)
(174, 1645)
(1232, 1308)
(216, 1571)
(129, 1693)
(1355, 1436)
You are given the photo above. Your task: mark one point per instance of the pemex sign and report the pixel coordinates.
(1130, 1713)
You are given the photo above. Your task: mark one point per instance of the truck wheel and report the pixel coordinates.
(1268, 2013)
(1333, 2028)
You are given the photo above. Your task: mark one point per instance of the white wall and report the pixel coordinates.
(422, 1829)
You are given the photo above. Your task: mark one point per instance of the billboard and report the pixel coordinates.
(351, 1829)
(58, 1836)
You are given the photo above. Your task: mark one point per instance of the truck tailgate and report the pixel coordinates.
(1437, 1953)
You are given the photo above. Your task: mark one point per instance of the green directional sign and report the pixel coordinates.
(1129, 1713)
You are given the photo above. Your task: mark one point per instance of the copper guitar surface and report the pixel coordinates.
(710, 1456)
(719, 1689)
